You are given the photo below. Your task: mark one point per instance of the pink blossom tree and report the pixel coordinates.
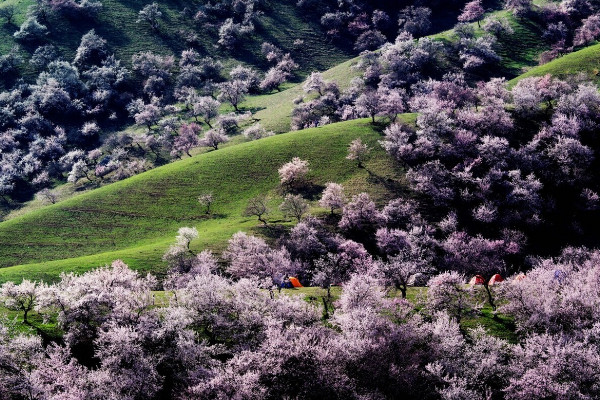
(333, 197)
(447, 292)
(588, 31)
(187, 139)
(213, 138)
(233, 92)
(360, 213)
(293, 173)
(473, 11)
(207, 108)
(251, 256)
(21, 297)
(358, 151)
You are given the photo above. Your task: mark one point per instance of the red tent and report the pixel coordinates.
(477, 280)
(295, 282)
(495, 279)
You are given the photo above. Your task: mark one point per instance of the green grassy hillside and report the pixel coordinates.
(585, 61)
(282, 25)
(275, 110)
(136, 219)
(518, 51)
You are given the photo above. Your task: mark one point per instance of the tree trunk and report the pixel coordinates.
(325, 307)
(401, 288)
(490, 297)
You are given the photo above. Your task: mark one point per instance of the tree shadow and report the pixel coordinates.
(332, 220)
(272, 231)
(389, 183)
(209, 216)
(308, 190)
(253, 110)
(83, 186)
(47, 338)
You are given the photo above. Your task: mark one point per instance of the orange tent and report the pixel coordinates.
(495, 279)
(477, 280)
(295, 282)
(520, 277)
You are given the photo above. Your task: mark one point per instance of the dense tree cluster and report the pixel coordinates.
(370, 24)
(567, 24)
(51, 129)
(218, 337)
(234, 20)
(72, 102)
(496, 181)
(44, 124)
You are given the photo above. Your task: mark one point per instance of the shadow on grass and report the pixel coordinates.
(308, 190)
(210, 216)
(390, 184)
(272, 231)
(253, 110)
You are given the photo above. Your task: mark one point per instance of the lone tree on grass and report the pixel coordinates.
(213, 138)
(233, 92)
(473, 11)
(398, 270)
(293, 172)
(294, 205)
(187, 138)
(207, 108)
(258, 206)
(48, 195)
(358, 151)
(21, 297)
(333, 197)
(150, 14)
(206, 200)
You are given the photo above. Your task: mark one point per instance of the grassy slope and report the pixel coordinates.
(518, 51)
(282, 24)
(275, 110)
(585, 61)
(136, 219)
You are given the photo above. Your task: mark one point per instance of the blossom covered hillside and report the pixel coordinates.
(194, 207)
